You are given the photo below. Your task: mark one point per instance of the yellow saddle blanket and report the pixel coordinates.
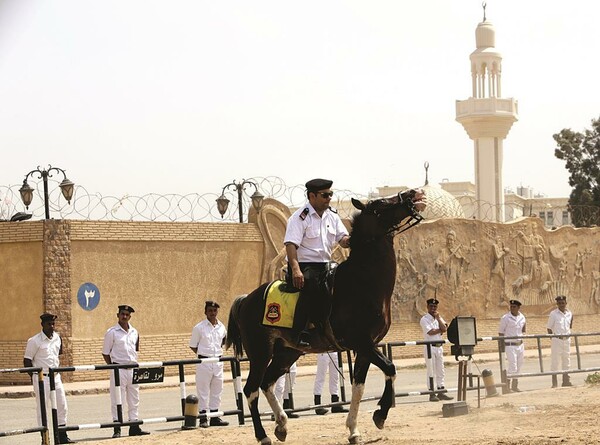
(280, 306)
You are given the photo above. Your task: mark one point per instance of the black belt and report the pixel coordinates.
(514, 343)
(204, 356)
(437, 345)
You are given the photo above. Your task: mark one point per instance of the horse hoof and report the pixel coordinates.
(266, 441)
(354, 438)
(378, 419)
(280, 433)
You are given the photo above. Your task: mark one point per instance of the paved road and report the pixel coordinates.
(165, 402)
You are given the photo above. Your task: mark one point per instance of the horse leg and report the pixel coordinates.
(282, 359)
(361, 367)
(255, 377)
(388, 398)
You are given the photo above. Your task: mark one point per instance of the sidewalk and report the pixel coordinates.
(102, 386)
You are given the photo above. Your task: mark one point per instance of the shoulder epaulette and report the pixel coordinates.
(333, 210)
(303, 214)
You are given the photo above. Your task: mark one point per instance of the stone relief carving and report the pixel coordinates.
(520, 260)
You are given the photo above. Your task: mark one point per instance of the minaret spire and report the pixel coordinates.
(487, 119)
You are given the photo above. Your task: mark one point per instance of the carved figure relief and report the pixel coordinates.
(451, 261)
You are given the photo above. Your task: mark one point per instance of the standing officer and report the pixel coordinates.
(433, 326)
(311, 234)
(513, 324)
(208, 338)
(328, 361)
(42, 351)
(560, 322)
(121, 346)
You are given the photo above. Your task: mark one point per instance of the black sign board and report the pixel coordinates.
(148, 375)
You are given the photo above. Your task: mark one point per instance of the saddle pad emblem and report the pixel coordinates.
(280, 306)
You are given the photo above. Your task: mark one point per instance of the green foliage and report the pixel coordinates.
(581, 153)
(593, 379)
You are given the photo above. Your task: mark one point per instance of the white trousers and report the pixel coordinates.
(514, 358)
(327, 361)
(61, 400)
(209, 385)
(283, 385)
(129, 393)
(435, 367)
(561, 354)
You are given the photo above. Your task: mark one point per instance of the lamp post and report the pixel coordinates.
(223, 202)
(67, 187)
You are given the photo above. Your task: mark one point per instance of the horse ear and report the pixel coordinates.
(359, 205)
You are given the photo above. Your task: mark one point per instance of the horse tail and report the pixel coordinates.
(234, 334)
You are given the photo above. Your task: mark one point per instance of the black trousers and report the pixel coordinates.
(314, 294)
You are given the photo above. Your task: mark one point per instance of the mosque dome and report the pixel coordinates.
(441, 204)
(485, 35)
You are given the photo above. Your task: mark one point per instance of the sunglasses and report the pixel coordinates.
(325, 194)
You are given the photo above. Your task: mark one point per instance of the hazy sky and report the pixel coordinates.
(140, 96)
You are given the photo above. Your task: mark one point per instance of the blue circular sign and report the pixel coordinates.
(88, 296)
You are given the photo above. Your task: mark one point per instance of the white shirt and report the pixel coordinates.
(43, 351)
(121, 345)
(559, 322)
(208, 338)
(428, 322)
(512, 325)
(314, 235)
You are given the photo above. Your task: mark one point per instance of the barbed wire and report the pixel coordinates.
(196, 207)
(152, 206)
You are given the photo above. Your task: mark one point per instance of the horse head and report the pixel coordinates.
(384, 217)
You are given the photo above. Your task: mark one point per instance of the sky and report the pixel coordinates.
(144, 96)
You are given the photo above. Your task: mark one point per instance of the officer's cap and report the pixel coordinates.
(561, 298)
(314, 185)
(517, 302)
(46, 316)
(211, 303)
(433, 301)
(125, 307)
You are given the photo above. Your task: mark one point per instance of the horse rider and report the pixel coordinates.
(311, 234)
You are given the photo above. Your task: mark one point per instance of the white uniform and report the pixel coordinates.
(208, 339)
(283, 385)
(43, 353)
(327, 361)
(435, 366)
(122, 347)
(512, 326)
(560, 324)
(314, 235)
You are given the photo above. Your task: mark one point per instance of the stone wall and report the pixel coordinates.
(167, 270)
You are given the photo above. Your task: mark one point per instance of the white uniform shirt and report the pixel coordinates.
(208, 338)
(511, 325)
(121, 345)
(43, 351)
(428, 322)
(315, 236)
(559, 322)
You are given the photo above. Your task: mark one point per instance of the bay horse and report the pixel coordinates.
(360, 316)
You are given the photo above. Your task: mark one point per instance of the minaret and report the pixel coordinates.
(487, 118)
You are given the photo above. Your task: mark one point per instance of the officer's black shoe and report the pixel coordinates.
(287, 406)
(304, 341)
(117, 432)
(135, 430)
(433, 398)
(338, 408)
(444, 396)
(216, 421)
(320, 411)
(63, 438)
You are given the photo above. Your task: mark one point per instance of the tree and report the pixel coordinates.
(581, 152)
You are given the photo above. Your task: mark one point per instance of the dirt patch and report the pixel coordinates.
(542, 417)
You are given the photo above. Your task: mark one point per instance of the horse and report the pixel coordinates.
(360, 316)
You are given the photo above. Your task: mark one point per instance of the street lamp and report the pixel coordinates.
(223, 202)
(67, 187)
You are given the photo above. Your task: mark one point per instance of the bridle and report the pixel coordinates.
(409, 222)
